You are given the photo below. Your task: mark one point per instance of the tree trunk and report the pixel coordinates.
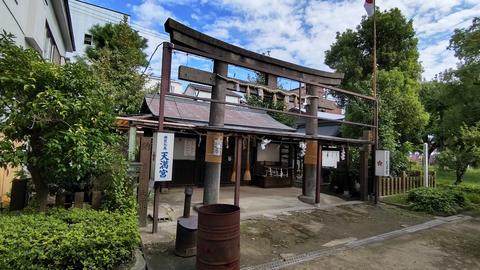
(39, 180)
(41, 188)
(460, 172)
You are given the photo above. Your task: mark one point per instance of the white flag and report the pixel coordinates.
(369, 7)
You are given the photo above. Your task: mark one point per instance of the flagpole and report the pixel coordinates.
(374, 79)
(374, 90)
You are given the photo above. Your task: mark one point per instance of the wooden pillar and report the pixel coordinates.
(132, 137)
(364, 154)
(96, 199)
(214, 145)
(60, 199)
(79, 197)
(310, 163)
(311, 127)
(164, 88)
(143, 179)
(272, 81)
(319, 174)
(238, 168)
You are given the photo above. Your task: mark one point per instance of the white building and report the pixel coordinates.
(84, 16)
(153, 82)
(43, 25)
(202, 91)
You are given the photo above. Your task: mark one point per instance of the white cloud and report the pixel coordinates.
(150, 12)
(301, 31)
(437, 58)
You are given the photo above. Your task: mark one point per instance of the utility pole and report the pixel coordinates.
(375, 113)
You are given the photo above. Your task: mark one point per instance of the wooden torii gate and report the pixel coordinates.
(188, 40)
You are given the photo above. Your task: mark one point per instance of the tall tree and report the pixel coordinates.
(463, 84)
(462, 150)
(431, 96)
(60, 115)
(117, 56)
(401, 114)
(460, 124)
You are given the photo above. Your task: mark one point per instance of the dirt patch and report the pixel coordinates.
(450, 246)
(280, 236)
(264, 240)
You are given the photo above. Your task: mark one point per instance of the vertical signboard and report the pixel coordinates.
(382, 163)
(162, 156)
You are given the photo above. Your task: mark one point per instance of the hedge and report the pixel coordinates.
(437, 200)
(67, 239)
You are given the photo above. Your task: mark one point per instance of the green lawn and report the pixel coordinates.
(472, 176)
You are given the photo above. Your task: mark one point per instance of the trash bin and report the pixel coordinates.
(218, 237)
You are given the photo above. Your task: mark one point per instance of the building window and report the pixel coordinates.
(50, 49)
(87, 39)
(48, 44)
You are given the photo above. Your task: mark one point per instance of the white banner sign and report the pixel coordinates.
(189, 147)
(382, 163)
(162, 156)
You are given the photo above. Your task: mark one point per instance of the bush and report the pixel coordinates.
(444, 201)
(67, 239)
(472, 192)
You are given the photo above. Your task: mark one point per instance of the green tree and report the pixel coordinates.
(401, 114)
(459, 126)
(463, 84)
(286, 119)
(461, 151)
(431, 96)
(117, 56)
(56, 120)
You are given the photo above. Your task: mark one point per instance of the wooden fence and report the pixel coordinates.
(388, 185)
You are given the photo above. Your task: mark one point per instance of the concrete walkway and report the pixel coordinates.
(252, 199)
(254, 202)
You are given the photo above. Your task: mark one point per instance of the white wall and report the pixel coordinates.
(271, 152)
(84, 16)
(184, 148)
(27, 19)
(232, 99)
(154, 82)
(202, 94)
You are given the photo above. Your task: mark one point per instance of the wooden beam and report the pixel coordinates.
(186, 44)
(174, 27)
(207, 78)
(196, 75)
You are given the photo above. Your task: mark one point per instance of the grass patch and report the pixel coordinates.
(400, 199)
(472, 177)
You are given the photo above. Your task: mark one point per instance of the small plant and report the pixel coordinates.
(441, 201)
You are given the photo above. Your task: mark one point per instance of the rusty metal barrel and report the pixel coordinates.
(218, 237)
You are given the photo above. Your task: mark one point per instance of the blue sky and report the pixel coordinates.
(293, 30)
